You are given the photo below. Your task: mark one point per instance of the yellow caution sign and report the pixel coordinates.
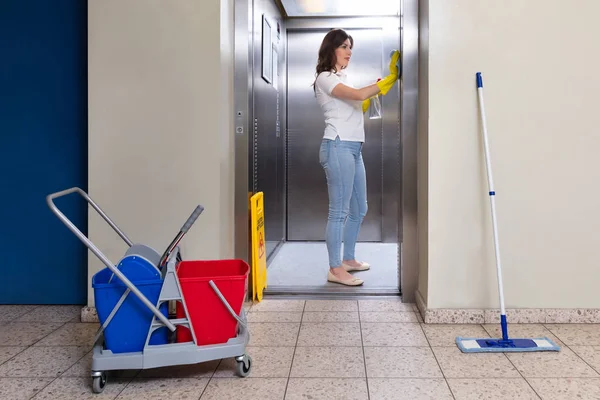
(259, 252)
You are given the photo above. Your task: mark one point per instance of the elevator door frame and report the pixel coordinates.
(408, 261)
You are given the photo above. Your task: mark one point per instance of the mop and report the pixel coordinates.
(505, 344)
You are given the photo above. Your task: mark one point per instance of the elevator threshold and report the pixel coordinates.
(331, 292)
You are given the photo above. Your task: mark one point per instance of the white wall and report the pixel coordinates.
(160, 126)
(539, 61)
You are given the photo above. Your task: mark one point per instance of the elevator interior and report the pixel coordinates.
(279, 127)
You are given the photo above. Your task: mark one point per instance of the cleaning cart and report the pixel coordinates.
(133, 298)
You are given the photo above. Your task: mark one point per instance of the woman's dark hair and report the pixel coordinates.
(334, 39)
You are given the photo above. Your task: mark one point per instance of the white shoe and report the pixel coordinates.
(363, 267)
(348, 282)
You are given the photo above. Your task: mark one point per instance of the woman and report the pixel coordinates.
(340, 153)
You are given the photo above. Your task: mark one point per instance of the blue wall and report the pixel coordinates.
(43, 149)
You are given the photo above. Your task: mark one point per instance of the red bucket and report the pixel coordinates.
(211, 321)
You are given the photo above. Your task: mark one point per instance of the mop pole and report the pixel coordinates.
(492, 195)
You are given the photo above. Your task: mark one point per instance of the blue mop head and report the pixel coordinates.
(490, 345)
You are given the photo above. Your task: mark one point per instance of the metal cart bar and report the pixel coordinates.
(226, 304)
(97, 252)
(93, 204)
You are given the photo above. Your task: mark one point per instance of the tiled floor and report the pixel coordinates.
(343, 349)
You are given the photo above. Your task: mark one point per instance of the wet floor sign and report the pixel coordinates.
(259, 252)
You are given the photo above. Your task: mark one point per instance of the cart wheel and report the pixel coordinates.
(99, 382)
(244, 365)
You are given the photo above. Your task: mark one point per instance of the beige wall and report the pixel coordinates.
(160, 101)
(160, 107)
(540, 85)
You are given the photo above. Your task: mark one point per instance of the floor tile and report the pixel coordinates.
(563, 364)
(268, 316)
(8, 352)
(401, 362)
(71, 334)
(456, 364)
(330, 334)
(25, 333)
(388, 316)
(522, 331)
(445, 335)
(12, 312)
(327, 389)
(273, 334)
(408, 389)
(80, 389)
(21, 388)
(394, 304)
(83, 368)
(245, 388)
(331, 305)
(577, 334)
(325, 316)
(167, 388)
(491, 389)
(197, 371)
(278, 306)
(42, 362)
(51, 314)
(328, 362)
(393, 334)
(566, 388)
(267, 362)
(589, 354)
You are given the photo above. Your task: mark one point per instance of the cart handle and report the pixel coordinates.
(226, 303)
(186, 227)
(97, 252)
(66, 221)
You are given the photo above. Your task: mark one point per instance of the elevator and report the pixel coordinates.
(279, 128)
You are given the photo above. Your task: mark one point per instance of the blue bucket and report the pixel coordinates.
(128, 329)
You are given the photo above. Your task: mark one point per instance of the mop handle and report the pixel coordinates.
(492, 192)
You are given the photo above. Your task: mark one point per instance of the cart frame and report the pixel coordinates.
(162, 355)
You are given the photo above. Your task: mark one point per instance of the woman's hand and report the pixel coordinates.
(387, 83)
(365, 105)
(394, 62)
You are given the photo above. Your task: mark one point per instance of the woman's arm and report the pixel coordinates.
(347, 93)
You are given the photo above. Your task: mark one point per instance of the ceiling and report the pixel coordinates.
(340, 8)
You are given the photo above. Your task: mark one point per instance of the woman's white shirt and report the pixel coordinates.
(343, 118)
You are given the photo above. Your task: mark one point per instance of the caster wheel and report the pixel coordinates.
(98, 383)
(244, 365)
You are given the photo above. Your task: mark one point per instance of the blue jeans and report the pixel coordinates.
(347, 187)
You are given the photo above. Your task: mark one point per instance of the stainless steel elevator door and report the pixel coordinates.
(267, 149)
(307, 199)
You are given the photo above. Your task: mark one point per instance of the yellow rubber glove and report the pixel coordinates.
(387, 83)
(365, 105)
(394, 62)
